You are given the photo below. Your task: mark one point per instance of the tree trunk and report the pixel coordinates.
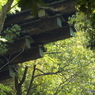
(3, 13)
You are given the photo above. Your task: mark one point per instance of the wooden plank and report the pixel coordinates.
(55, 35)
(16, 46)
(18, 18)
(6, 74)
(63, 7)
(24, 55)
(29, 54)
(43, 25)
(43, 38)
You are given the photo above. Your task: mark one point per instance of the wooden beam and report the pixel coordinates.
(63, 7)
(42, 25)
(8, 71)
(16, 46)
(43, 38)
(18, 18)
(26, 55)
(55, 35)
(6, 74)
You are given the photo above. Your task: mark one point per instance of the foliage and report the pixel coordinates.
(87, 7)
(82, 23)
(9, 35)
(31, 4)
(14, 6)
(68, 65)
(11, 6)
(67, 68)
(4, 90)
(74, 61)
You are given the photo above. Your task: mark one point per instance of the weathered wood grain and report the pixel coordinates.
(42, 25)
(55, 35)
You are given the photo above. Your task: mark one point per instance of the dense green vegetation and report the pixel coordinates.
(87, 7)
(67, 68)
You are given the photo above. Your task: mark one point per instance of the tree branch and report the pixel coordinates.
(24, 76)
(49, 73)
(3, 13)
(39, 70)
(53, 52)
(66, 81)
(37, 85)
(16, 81)
(31, 82)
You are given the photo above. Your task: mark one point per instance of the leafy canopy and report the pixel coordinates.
(87, 7)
